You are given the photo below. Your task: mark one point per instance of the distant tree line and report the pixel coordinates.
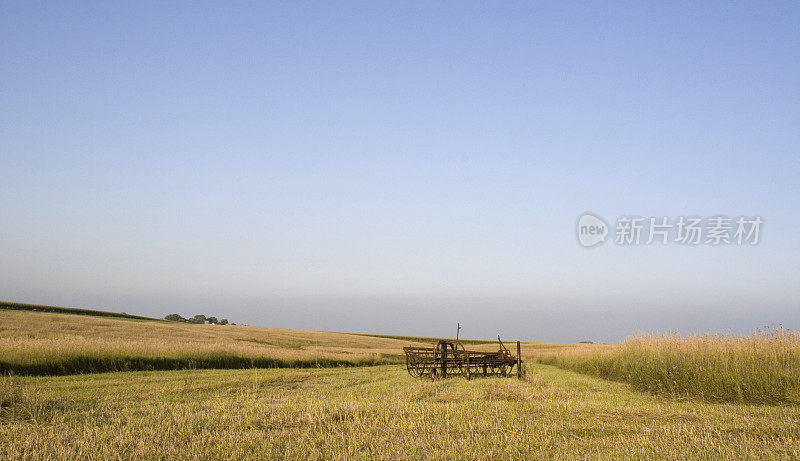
(199, 318)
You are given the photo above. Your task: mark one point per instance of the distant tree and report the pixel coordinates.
(223, 322)
(174, 318)
(212, 320)
(199, 318)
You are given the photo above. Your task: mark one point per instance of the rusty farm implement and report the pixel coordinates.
(450, 357)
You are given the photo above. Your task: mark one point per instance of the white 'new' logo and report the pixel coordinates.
(591, 230)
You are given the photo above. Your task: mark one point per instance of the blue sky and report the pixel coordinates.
(400, 167)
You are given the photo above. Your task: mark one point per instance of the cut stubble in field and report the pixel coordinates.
(374, 412)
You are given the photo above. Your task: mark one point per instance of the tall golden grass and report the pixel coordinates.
(762, 368)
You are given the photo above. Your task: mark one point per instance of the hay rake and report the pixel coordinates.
(450, 357)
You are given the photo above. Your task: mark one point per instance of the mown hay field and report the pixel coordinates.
(44, 343)
(47, 343)
(374, 413)
(698, 402)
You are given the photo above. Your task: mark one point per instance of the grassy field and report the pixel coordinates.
(45, 343)
(48, 343)
(374, 412)
(763, 368)
(430, 339)
(697, 404)
(70, 310)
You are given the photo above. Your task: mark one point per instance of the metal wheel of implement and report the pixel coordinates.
(422, 369)
(503, 369)
(411, 367)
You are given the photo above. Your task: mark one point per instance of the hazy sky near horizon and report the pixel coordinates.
(400, 167)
